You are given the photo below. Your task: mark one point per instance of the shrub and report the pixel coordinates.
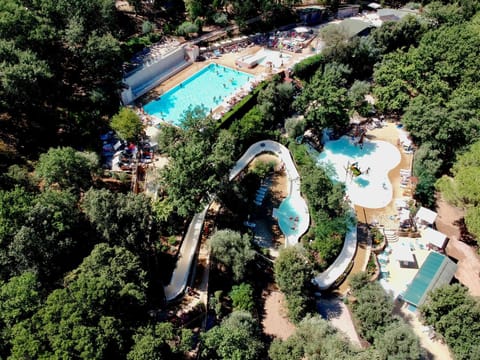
(306, 68)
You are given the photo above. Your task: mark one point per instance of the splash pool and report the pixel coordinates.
(208, 87)
(291, 218)
(364, 170)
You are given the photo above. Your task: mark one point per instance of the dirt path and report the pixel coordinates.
(275, 322)
(468, 270)
(436, 349)
(336, 312)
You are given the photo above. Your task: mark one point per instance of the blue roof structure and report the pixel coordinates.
(437, 270)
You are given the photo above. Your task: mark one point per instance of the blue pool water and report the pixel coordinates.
(208, 87)
(372, 187)
(288, 218)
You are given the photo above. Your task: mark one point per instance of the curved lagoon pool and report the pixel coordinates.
(371, 188)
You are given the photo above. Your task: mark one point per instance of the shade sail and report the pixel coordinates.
(404, 254)
(435, 237)
(426, 215)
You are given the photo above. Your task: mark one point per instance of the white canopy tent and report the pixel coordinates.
(425, 215)
(374, 5)
(301, 29)
(403, 254)
(435, 238)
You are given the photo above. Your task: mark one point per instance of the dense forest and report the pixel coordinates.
(82, 271)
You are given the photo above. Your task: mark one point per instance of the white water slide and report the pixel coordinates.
(186, 256)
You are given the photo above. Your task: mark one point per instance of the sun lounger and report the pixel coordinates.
(260, 198)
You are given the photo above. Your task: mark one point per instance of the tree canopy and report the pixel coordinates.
(454, 315)
(232, 250)
(463, 188)
(200, 161)
(87, 317)
(237, 337)
(293, 273)
(67, 168)
(127, 124)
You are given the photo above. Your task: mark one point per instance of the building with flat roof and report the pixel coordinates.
(436, 271)
(354, 27)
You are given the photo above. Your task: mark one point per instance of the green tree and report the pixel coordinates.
(152, 342)
(444, 300)
(15, 205)
(356, 95)
(398, 342)
(242, 297)
(463, 189)
(121, 219)
(89, 317)
(199, 164)
(324, 99)
(232, 250)
(20, 298)
(454, 315)
(238, 337)
(295, 127)
(187, 28)
(274, 102)
(127, 124)
(313, 338)
(400, 34)
(372, 309)
(47, 242)
(293, 272)
(22, 76)
(67, 168)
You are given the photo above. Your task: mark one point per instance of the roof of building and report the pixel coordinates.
(395, 14)
(437, 270)
(354, 27)
(435, 237)
(427, 215)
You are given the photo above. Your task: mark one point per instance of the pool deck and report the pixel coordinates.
(227, 59)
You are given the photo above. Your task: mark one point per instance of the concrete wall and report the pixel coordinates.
(151, 74)
(348, 11)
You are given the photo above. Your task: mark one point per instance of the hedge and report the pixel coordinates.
(241, 108)
(306, 68)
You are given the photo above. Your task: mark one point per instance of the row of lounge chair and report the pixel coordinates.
(262, 192)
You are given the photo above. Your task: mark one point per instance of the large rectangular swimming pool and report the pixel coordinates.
(208, 87)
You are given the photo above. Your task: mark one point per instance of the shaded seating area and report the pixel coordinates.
(425, 217)
(436, 239)
(404, 255)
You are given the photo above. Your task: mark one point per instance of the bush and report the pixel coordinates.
(241, 108)
(242, 297)
(262, 168)
(220, 18)
(187, 28)
(147, 27)
(306, 68)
